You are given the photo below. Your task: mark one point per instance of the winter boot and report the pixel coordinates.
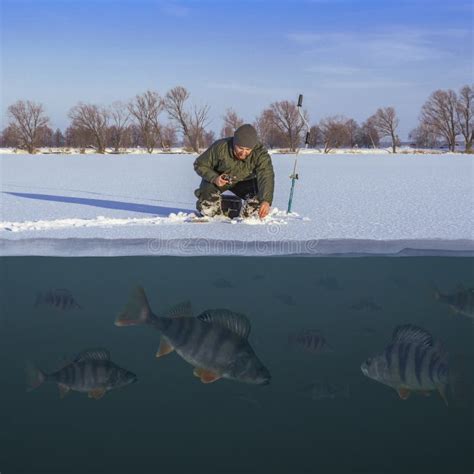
(212, 207)
(250, 207)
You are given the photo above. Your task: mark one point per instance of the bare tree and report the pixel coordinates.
(315, 136)
(146, 109)
(192, 124)
(26, 121)
(78, 138)
(175, 101)
(10, 137)
(424, 137)
(352, 130)
(120, 118)
(268, 133)
(386, 122)
(334, 132)
(45, 136)
(368, 134)
(134, 136)
(465, 115)
(439, 115)
(94, 120)
(58, 138)
(169, 136)
(209, 138)
(231, 123)
(285, 118)
(199, 122)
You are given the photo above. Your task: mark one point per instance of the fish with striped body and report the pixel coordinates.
(461, 301)
(412, 362)
(310, 340)
(61, 299)
(91, 372)
(215, 343)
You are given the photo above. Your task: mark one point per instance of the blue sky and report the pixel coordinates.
(346, 57)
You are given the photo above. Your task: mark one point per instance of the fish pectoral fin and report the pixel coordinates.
(206, 376)
(165, 348)
(403, 393)
(63, 390)
(97, 393)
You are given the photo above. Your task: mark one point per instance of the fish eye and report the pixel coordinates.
(368, 361)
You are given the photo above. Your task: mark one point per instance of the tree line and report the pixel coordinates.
(445, 116)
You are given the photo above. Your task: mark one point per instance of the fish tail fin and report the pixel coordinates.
(35, 377)
(137, 311)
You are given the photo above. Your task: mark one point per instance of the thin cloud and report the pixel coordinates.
(391, 47)
(337, 76)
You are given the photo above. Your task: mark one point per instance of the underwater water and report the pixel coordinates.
(319, 413)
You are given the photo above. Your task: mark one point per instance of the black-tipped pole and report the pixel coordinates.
(294, 175)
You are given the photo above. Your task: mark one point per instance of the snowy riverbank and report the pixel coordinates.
(136, 205)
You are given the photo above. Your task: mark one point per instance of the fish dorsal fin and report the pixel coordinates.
(181, 310)
(235, 322)
(412, 333)
(93, 354)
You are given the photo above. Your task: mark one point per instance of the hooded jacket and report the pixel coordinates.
(219, 159)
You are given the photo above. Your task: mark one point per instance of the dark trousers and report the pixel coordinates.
(210, 192)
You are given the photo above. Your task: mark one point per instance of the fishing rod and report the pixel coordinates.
(294, 175)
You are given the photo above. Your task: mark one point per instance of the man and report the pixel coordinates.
(241, 165)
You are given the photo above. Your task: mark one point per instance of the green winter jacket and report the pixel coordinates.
(219, 159)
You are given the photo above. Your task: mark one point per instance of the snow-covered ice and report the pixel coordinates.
(75, 205)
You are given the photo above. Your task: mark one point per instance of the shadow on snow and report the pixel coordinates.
(161, 211)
